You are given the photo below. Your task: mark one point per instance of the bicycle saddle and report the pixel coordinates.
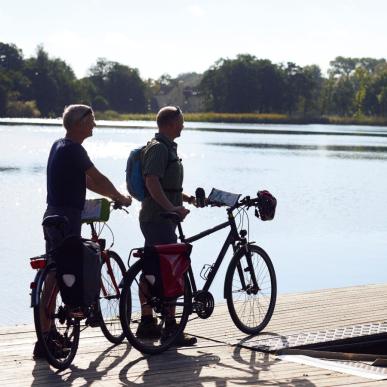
(55, 221)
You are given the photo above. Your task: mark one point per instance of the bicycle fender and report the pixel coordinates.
(38, 284)
(34, 290)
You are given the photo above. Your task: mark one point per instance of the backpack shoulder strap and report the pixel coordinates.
(167, 146)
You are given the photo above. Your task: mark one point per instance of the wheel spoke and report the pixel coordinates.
(137, 298)
(112, 272)
(251, 309)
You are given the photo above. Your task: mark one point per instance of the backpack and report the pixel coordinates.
(135, 182)
(134, 179)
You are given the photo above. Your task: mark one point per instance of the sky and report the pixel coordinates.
(179, 36)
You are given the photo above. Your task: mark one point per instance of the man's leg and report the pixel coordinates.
(53, 238)
(154, 234)
(160, 234)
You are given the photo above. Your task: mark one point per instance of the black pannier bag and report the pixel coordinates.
(78, 271)
(164, 268)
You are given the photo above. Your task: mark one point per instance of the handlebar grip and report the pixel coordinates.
(200, 197)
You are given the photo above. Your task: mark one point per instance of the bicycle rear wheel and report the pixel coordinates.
(130, 313)
(251, 289)
(57, 331)
(112, 272)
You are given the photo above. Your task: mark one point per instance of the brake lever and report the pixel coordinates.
(117, 206)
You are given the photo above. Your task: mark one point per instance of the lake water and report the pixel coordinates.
(331, 224)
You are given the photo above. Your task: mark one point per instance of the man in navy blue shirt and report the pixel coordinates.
(69, 172)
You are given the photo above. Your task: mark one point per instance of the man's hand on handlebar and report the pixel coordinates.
(123, 200)
(181, 211)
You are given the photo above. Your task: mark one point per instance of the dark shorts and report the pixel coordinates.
(158, 233)
(54, 236)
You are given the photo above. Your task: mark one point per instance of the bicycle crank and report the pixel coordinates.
(204, 304)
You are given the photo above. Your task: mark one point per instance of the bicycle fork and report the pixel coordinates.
(252, 287)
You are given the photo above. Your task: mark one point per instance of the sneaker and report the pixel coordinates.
(148, 330)
(94, 320)
(182, 340)
(57, 345)
(38, 352)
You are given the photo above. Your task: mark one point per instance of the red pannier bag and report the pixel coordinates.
(168, 263)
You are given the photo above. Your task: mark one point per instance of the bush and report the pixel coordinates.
(22, 109)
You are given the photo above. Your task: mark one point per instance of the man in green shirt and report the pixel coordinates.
(163, 175)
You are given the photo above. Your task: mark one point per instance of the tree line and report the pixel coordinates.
(40, 86)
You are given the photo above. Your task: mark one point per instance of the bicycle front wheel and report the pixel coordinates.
(251, 289)
(136, 297)
(112, 272)
(56, 329)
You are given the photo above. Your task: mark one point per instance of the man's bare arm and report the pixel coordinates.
(154, 188)
(99, 183)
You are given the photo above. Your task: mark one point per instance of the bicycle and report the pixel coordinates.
(61, 344)
(250, 286)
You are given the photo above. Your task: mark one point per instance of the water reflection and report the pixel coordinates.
(341, 151)
(36, 169)
(295, 130)
(9, 169)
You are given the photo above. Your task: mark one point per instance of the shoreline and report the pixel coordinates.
(108, 119)
(222, 127)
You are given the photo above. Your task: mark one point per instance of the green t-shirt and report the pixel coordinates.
(160, 159)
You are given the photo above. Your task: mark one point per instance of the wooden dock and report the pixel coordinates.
(223, 356)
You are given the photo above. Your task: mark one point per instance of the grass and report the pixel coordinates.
(250, 118)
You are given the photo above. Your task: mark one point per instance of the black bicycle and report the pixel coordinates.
(250, 286)
(58, 325)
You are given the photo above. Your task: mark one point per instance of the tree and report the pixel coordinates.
(120, 85)
(342, 66)
(53, 83)
(11, 58)
(245, 84)
(343, 97)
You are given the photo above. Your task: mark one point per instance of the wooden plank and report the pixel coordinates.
(210, 362)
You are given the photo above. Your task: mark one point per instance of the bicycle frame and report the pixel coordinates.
(105, 257)
(233, 239)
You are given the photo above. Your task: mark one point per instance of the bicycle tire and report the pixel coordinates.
(60, 324)
(253, 313)
(130, 313)
(109, 299)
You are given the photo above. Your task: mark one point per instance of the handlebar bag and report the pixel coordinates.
(78, 271)
(168, 264)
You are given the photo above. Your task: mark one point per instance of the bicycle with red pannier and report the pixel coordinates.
(250, 286)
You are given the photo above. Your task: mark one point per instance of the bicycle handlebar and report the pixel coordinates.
(245, 201)
(118, 206)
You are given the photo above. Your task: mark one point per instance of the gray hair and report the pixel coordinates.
(74, 113)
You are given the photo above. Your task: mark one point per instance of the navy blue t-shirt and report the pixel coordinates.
(66, 179)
